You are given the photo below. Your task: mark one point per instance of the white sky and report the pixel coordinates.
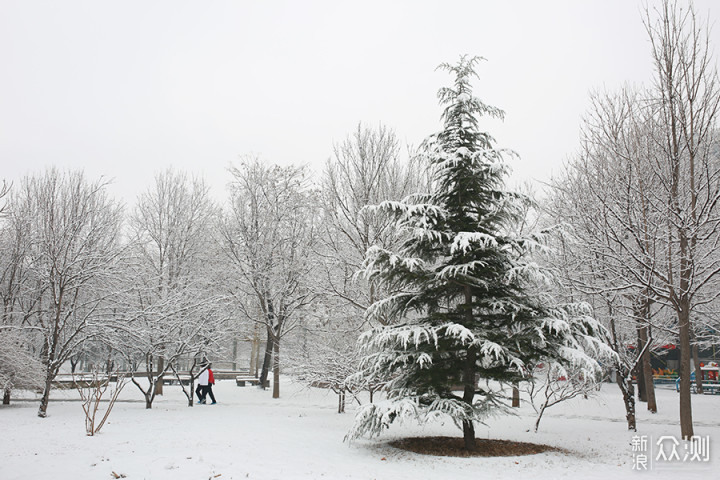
(126, 88)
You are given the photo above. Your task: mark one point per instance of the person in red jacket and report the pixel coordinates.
(208, 388)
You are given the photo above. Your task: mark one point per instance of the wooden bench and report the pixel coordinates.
(242, 380)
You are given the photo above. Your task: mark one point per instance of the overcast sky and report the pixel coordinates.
(127, 88)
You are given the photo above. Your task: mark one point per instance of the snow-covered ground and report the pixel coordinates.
(300, 436)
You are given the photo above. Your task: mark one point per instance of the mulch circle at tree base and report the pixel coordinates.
(455, 447)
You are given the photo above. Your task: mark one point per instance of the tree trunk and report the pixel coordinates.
(686, 423)
(468, 395)
(48, 356)
(191, 384)
(149, 396)
(649, 385)
(542, 411)
(622, 378)
(235, 352)
(341, 400)
(257, 360)
(516, 396)
(42, 410)
(268, 358)
(73, 362)
(469, 380)
(469, 434)
(159, 381)
(276, 368)
(253, 363)
(696, 362)
(6, 397)
(647, 379)
(626, 388)
(255, 352)
(640, 380)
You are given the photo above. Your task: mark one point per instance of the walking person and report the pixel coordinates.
(203, 379)
(208, 388)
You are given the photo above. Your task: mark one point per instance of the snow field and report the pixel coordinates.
(300, 436)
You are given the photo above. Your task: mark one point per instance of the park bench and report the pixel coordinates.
(664, 379)
(242, 380)
(709, 387)
(230, 374)
(217, 374)
(82, 381)
(173, 380)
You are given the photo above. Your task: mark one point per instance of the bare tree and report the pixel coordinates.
(330, 359)
(366, 170)
(553, 383)
(269, 235)
(73, 233)
(619, 135)
(687, 97)
(605, 195)
(91, 393)
(4, 190)
(172, 311)
(19, 367)
(651, 167)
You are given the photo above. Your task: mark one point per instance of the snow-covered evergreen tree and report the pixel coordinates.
(469, 307)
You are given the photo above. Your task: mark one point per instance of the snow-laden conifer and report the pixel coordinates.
(467, 307)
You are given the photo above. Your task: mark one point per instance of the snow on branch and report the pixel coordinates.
(535, 242)
(409, 264)
(464, 269)
(405, 211)
(403, 335)
(456, 409)
(464, 241)
(378, 260)
(491, 349)
(459, 332)
(389, 307)
(530, 272)
(556, 326)
(372, 419)
(428, 234)
(579, 359)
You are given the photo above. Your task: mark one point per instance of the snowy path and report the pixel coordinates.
(249, 435)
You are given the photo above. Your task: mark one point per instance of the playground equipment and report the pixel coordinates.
(710, 374)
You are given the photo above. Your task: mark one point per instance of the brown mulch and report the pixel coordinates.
(455, 447)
